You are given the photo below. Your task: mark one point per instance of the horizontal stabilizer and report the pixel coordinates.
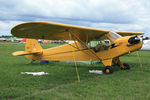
(22, 53)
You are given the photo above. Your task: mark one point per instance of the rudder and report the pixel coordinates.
(32, 45)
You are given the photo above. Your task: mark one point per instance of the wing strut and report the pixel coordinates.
(76, 47)
(78, 77)
(72, 33)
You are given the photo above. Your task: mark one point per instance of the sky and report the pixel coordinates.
(122, 15)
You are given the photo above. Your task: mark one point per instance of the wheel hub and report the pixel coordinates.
(107, 70)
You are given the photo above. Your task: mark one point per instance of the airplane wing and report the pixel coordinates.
(55, 31)
(125, 33)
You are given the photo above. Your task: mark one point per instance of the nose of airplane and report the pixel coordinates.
(134, 40)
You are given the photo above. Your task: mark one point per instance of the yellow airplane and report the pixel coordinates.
(82, 49)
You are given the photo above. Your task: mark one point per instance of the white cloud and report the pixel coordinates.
(121, 27)
(5, 27)
(127, 15)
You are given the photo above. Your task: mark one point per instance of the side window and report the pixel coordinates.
(100, 45)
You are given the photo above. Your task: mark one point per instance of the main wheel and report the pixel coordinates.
(108, 70)
(127, 67)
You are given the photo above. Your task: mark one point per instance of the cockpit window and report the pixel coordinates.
(114, 35)
(98, 46)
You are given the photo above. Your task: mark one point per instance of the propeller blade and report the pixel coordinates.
(145, 38)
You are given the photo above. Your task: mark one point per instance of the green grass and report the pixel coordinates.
(61, 82)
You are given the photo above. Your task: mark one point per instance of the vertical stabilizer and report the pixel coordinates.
(32, 46)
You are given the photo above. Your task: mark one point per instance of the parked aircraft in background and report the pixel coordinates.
(3, 39)
(146, 45)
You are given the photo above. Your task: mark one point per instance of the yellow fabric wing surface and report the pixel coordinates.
(125, 33)
(55, 31)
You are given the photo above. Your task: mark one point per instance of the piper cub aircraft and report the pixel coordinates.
(82, 49)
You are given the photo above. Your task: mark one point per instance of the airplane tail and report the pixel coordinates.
(31, 47)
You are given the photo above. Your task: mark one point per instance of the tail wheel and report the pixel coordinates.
(126, 66)
(108, 70)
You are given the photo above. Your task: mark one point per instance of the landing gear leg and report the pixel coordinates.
(123, 66)
(126, 66)
(108, 69)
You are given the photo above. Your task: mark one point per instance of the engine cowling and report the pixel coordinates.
(134, 40)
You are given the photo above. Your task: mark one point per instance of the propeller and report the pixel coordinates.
(135, 39)
(145, 38)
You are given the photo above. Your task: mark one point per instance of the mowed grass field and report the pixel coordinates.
(61, 82)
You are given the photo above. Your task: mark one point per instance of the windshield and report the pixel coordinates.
(114, 35)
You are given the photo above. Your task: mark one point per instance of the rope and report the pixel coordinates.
(78, 77)
(139, 59)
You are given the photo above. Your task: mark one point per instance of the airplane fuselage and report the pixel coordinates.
(76, 52)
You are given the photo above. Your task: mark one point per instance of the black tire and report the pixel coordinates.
(127, 67)
(108, 70)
